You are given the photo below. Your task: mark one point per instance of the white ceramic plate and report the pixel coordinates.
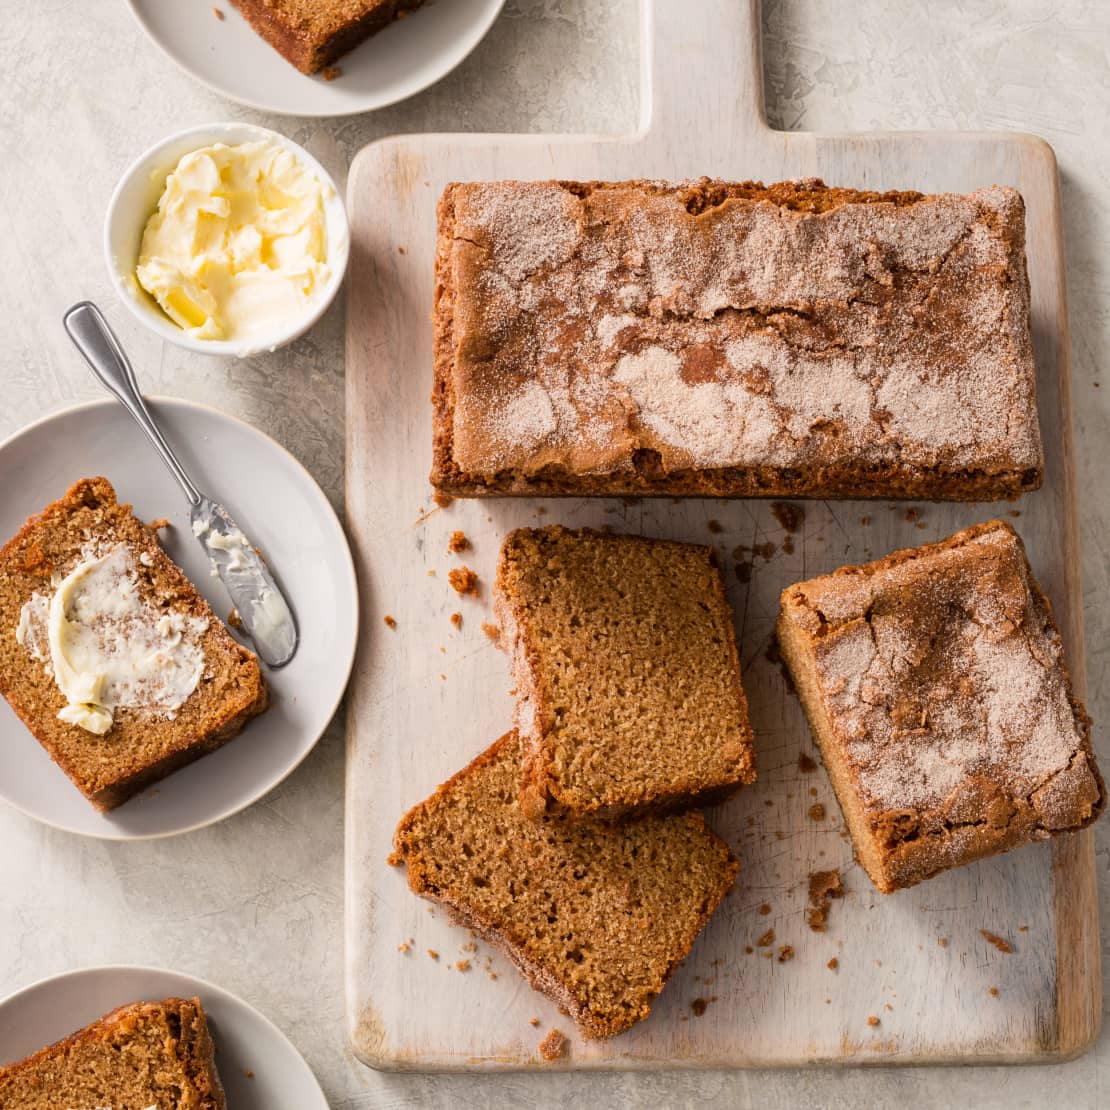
(51, 1009)
(228, 57)
(282, 510)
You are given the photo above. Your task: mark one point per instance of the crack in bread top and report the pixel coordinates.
(724, 325)
(943, 677)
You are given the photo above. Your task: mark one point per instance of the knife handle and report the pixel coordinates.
(91, 335)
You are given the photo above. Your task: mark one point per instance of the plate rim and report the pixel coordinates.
(116, 836)
(389, 99)
(205, 986)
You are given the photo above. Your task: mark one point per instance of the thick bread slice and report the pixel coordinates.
(141, 746)
(626, 671)
(596, 916)
(144, 1054)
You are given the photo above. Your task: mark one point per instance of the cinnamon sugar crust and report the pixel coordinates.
(311, 34)
(935, 682)
(715, 338)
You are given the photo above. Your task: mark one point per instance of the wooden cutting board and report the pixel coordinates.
(426, 697)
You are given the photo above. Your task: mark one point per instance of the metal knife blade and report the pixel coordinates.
(262, 607)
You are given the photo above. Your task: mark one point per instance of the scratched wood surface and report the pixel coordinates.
(426, 697)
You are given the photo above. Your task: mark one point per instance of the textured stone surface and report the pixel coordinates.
(84, 92)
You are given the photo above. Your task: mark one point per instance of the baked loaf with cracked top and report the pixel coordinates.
(311, 34)
(596, 916)
(145, 1054)
(934, 681)
(711, 338)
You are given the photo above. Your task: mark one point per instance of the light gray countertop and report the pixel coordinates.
(255, 903)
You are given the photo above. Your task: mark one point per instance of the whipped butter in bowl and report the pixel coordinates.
(227, 239)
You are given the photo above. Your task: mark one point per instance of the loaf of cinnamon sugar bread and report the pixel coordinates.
(935, 684)
(723, 339)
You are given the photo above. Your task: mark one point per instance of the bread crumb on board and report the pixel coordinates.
(833, 964)
(217, 13)
(786, 952)
(553, 1046)
(390, 622)
(330, 73)
(456, 619)
(458, 542)
(463, 581)
(823, 887)
(492, 632)
(1001, 943)
(872, 1020)
(234, 619)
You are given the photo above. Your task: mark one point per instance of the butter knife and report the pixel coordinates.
(266, 615)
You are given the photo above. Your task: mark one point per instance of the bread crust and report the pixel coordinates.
(645, 472)
(900, 848)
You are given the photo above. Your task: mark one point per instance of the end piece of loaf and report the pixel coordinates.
(935, 684)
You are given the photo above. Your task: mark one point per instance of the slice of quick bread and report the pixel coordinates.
(130, 620)
(311, 34)
(597, 916)
(626, 670)
(146, 1054)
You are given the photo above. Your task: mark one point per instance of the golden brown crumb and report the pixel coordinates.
(699, 1006)
(823, 887)
(833, 964)
(942, 941)
(217, 13)
(1000, 943)
(456, 619)
(816, 812)
(865, 520)
(246, 1071)
(993, 992)
(806, 764)
(748, 949)
(889, 1007)
(330, 73)
(872, 1020)
(234, 619)
(403, 946)
(463, 581)
(401, 250)
(786, 952)
(462, 965)
(433, 953)
(553, 1046)
(492, 631)
(390, 622)
(442, 499)
(765, 909)
(534, 1022)
(458, 542)
(766, 940)
(160, 523)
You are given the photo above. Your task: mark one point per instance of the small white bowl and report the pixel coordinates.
(136, 197)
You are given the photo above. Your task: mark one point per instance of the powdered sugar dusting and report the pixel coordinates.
(748, 334)
(944, 669)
